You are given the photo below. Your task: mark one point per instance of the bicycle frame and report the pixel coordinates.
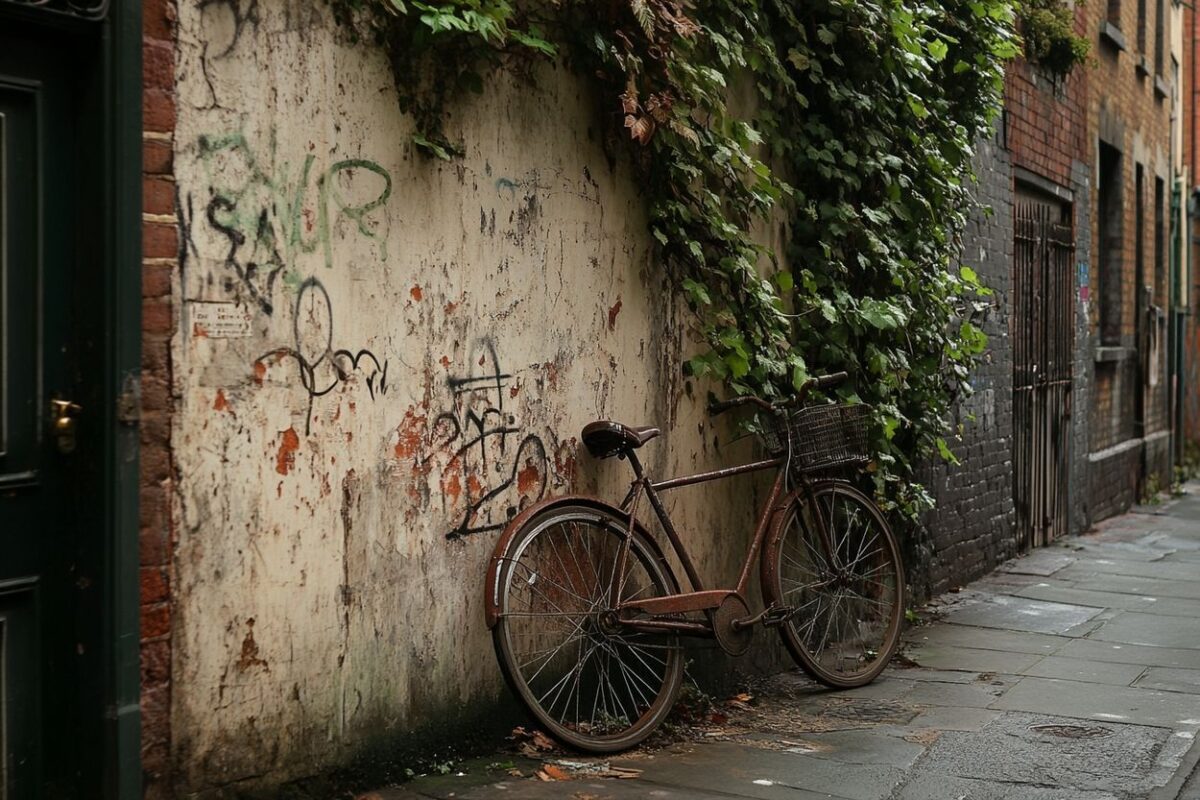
(699, 599)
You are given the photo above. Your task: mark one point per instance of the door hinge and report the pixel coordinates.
(129, 401)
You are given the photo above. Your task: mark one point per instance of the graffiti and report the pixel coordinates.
(486, 467)
(242, 15)
(322, 367)
(270, 212)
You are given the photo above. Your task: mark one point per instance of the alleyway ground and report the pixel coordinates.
(1070, 674)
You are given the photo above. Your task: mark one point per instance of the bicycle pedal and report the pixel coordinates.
(778, 615)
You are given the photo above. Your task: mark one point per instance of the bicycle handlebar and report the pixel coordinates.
(823, 382)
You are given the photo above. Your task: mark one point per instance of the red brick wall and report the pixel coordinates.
(160, 256)
(1142, 136)
(1046, 121)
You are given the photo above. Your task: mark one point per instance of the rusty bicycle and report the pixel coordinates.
(586, 612)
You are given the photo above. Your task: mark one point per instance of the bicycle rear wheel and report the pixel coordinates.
(589, 681)
(849, 603)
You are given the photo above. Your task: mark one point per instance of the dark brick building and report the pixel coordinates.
(1071, 419)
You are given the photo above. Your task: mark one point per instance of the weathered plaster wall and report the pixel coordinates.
(381, 357)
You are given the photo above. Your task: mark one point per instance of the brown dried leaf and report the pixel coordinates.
(541, 741)
(640, 128)
(553, 773)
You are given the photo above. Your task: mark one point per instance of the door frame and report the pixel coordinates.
(122, 333)
(118, 330)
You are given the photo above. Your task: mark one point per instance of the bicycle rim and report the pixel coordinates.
(590, 682)
(849, 606)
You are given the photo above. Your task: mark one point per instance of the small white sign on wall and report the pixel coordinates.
(219, 320)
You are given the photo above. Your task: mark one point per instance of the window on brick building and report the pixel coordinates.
(1114, 12)
(1139, 222)
(1141, 26)
(1160, 35)
(1160, 241)
(1111, 240)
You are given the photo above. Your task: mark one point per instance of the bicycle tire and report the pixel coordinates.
(863, 603)
(650, 666)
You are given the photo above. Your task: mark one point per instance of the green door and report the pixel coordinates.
(43, 734)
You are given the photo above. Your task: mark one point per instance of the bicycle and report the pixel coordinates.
(587, 614)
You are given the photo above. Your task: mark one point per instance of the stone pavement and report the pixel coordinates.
(1070, 674)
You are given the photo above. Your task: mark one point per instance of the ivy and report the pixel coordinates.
(857, 146)
(1048, 27)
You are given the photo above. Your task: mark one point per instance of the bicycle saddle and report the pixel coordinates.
(604, 438)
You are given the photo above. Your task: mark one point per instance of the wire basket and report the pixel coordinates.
(820, 438)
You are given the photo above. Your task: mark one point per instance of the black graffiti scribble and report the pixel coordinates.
(249, 273)
(476, 434)
(245, 15)
(323, 368)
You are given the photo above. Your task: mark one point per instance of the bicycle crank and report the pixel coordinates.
(732, 637)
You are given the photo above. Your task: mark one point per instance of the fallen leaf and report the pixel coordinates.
(553, 773)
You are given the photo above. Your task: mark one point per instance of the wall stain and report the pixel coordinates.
(250, 657)
(285, 459)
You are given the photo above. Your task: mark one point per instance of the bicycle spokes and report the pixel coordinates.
(843, 586)
(580, 666)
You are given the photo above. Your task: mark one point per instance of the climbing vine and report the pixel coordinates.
(1048, 29)
(856, 144)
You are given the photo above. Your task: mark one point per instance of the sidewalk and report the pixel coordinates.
(1070, 674)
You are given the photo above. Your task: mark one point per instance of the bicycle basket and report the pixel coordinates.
(820, 437)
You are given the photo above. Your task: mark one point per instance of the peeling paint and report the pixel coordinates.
(285, 458)
(221, 404)
(612, 314)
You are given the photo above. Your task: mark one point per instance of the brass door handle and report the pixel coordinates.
(63, 415)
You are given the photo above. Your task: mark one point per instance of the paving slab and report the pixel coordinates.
(1062, 592)
(1170, 607)
(1039, 562)
(1115, 704)
(1132, 654)
(955, 635)
(864, 746)
(927, 786)
(1150, 629)
(1137, 550)
(937, 675)
(954, 718)
(975, 695)
(1139, 585)
(1167, 679)
(1161, 570)
(1086, 670)
(970, 658)
(1020, 614)
(734, 769)
(1051, 751)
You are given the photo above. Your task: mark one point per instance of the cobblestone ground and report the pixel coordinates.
(1072, 673)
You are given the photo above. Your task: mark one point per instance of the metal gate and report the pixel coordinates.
(1042, 327)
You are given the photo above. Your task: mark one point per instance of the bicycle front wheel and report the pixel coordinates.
(847, 596)
(591, 682)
